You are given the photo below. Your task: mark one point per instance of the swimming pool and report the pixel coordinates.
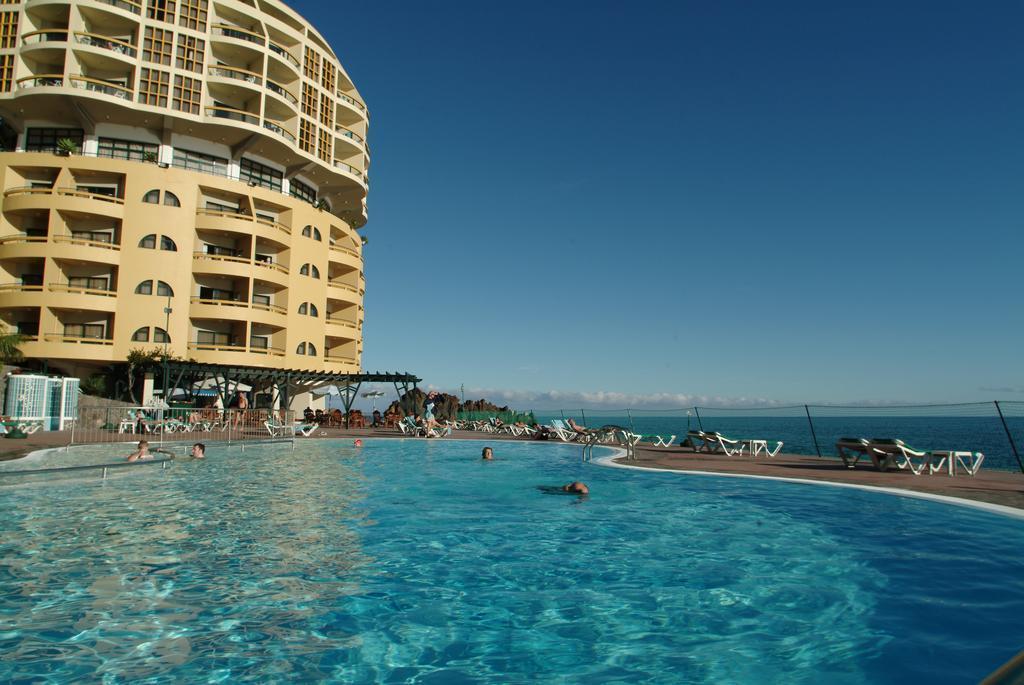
(413, 561)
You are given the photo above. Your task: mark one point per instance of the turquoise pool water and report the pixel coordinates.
(413, 561)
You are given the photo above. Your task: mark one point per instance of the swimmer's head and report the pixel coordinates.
(487, 453)
(577, 487)
(358, 443)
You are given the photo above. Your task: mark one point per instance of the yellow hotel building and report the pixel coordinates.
(218, 171)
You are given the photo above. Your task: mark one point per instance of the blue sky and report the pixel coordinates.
(656, 203)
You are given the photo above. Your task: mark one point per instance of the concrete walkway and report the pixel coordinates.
(998, 487)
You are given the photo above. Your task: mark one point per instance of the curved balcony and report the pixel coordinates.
(16, 295)
(126, 5)
(282, 92)
(273, 267)
(223, 265)
(345, 255)
(352, 102)
(233, 222)
(278, 128)
(233, 114)
(341, 360)
(283, 55)
(224, 72)
(41, 81)
(339, 328)
(70, 199)
(85, 299)
(115, 46)
(238, 311)
(79, 249)
(22, 247)
(237, 33)
(235, 354)
(350, 171)
(343, 292)
(60, 346)
(102, 87)
(45, 37)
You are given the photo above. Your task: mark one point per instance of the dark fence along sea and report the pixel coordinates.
(975, 433)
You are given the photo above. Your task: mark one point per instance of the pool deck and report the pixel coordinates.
(997, 487)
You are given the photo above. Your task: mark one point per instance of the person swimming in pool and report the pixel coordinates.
(487, 454)
(142, 452)
(574, 488)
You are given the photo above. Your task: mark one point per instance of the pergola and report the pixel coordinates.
(280, 382)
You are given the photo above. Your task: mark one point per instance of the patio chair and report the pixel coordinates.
(659, 441)
(408, 426)
(278, 430)
(564, 433)
(850, 450)
(888, 452)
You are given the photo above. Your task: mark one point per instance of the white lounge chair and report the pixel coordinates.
(659, 441)
(564, 433)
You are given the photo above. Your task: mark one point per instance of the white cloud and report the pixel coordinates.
(603, 399)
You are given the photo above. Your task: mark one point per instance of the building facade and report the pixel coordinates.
(184, 175)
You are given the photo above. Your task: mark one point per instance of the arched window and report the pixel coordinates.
(171, 200)
(149, 241)
(141, 335)
(301, 349)
(167, 244)
(303, 308)
(316, 234)
(304, 270)
(307, 232)
(144, 288)
(314, 272)
(164, 290)
(310, 350)
(152, 197)
(160, 336)
(312, 310)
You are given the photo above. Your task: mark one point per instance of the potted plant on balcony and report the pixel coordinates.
(149, 157)
(66, 147)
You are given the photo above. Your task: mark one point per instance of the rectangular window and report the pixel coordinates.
(261, 299)
(161, 10)
(223, 252)
(95, 236)
(214, 338)
(259, 342)
(85, 330)
(6, 73)
(191, 53)
(326, 145)
(301, 191)
(217, 294)
(198, 161)
(157, 45)
(154, 87)
(193, 14)
(221, 207)
(311, 65)
(306, 142)
(308, 100)
(327, 111)
(260, 174)
(127, 149)
(8, 29)
(88, 282)
(31, 279)
(187, 94)
(45, 139)
(328, 77)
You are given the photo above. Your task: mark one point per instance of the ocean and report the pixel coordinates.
(975, 433)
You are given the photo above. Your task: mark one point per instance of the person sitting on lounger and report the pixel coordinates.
(582, 430)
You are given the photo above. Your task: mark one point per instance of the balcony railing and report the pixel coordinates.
(237, 74)
(217, 347)
(344, 286)
(244, 217)
(281, 52)
(238, 33)
(277, 128)
(69, 192)
(99, 86)
(41, 81)
(80, 290)
(45, 36)
(271, 351)
(348, 167)
(105, 42)
(20, 288)
(349, 133)
(273, 266)
(78, 340)
(130, 5)
(85, 242)
(221, 258)
(276, 308)
(340, 359)
(233, 114)
(345, 250)
(352, 101)
(275, 87)
(20, 239)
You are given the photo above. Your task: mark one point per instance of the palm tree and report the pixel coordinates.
(9, 344)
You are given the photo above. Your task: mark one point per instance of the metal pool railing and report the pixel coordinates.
(180, 424)
(102, 470)
(994, 428)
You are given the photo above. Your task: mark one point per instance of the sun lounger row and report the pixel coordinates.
(714, 442)
(885, 453)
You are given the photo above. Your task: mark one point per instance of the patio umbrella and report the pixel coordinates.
(374, 394)
(331, 390)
